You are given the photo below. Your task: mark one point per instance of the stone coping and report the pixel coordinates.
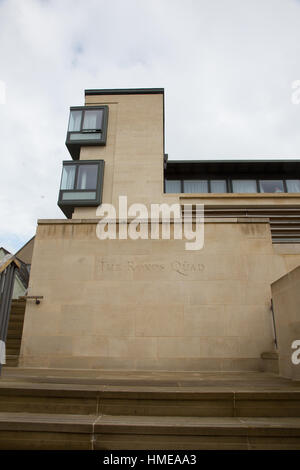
(207, 220)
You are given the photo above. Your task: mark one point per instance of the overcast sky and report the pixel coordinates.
(227, 67)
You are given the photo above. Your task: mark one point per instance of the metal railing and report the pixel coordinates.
(274, 324)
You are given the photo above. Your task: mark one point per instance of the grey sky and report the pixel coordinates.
(227, 67)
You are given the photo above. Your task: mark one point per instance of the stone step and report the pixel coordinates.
(16, 316)
(13, 343)
(74, 432)
(12, 361)
(164, 378)
(185, 433)
(14, 334)
(12, 350)
(18, 323)
(96, 399)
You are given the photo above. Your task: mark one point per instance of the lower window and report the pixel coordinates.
(81, 185)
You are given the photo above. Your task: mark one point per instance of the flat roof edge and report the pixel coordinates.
(125, 91)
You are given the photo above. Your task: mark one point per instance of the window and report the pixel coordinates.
(244, 186)
(92, 120)
(293, 186)
(239, 186)
(271, 186)
(87, 126)
(195, 186)
(68, 177)
(87, 176)
(218, 186)
(75, 121)
(173, 186)
(81, 185)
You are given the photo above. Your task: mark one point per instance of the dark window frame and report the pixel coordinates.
(67, 205)
(74, 145)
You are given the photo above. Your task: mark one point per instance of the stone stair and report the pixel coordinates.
(44, 409)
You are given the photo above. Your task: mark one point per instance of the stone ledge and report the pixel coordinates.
(207, 220)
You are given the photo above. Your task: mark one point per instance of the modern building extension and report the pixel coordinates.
(150, 304)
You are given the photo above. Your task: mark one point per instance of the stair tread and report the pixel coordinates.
(9, 383)
(195, 421)
(146, 424)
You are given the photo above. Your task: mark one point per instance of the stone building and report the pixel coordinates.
(150, 304)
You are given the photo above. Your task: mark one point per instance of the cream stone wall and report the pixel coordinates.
(150, 304)
(134, 150)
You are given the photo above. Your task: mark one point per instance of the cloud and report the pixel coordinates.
(227, 67)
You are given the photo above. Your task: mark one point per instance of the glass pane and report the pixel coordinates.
(79, 195)
(94, 136)
(75, 120)
(173, 186)
(293, 186)
(271, 186)
(68, 177)
(218, 186)
(195, 186)
(244, 186)
(93, 119)
(87, 177)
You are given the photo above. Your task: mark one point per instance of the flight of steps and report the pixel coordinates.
(14, 332)
(42, 409)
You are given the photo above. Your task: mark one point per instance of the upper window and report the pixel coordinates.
(238, 186)
(293, 186)
(244, 186)
(173, 186)
(195, 186)
(218, 186)
(87, 126)
(271, 186)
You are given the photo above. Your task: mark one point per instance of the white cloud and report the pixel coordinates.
(226, 65)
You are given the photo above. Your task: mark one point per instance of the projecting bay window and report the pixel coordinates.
(87, 126)
(81, 185)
